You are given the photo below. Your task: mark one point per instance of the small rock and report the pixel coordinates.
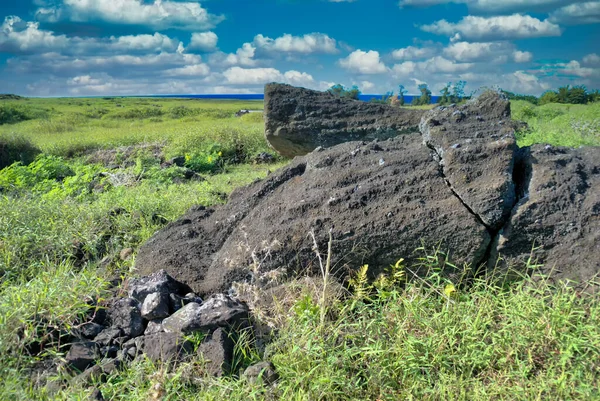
(166, 346)
(108, 335)
(125, 314)
(154, 326)
(220, 310)
(178, 161)
(109, 351)
(217, 351)
(156, 282)
(88, 330)
(264, 371)
(82, 355)
(155, 306)
(126, 253)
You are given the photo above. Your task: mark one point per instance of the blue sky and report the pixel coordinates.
(140, 47)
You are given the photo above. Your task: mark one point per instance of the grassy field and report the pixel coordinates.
(97, 183)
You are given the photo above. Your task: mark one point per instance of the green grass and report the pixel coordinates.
(558, 124)
(98, 187)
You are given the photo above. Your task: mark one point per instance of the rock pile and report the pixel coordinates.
(155, 320)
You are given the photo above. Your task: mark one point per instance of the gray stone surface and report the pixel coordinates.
(166, 346)
(82, 355)
(218, 311)
(475, 146)
(158, 281)
(381, 200)
(155, 306)
(125, 314)
(217, 353)
(299, 120)
(264, 371)
(559, 215)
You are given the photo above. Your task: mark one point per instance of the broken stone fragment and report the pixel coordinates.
(166, 346)
(155, 306)
(159, 282)
(82, 355)
(217, 353)
(218, 311)
(125, 314)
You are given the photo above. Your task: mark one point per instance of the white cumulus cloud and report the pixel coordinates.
(203, 41)
(414, 53)
(507, 27)
(578, 13)
(364, 62)
(306, 44)
(159, 14)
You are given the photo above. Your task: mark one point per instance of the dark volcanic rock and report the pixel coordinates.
(299, 120)
(82, 355)
(125, 314)
(217, 352)
(381, 200)
(159, 281)
(475, 145)
(264, 371)
(166, 346)
(155, 306)
(559, 214)
(218, 311)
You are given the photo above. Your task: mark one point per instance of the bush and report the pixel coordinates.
(15, 148)
(342, 92)
(147, 112)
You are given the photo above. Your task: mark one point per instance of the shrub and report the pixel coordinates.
(342, 92)
(425, 97)
(15, 148)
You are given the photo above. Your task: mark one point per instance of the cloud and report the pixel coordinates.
(434, 65)
(306, 44)
(494, 6)
(576, 14)
(364, 62)
(592, 59)
(243, 56)
(20, 37)
(509, 27)
(522, 57)
(496, 52)
(572, 69)
(260, 76)
(193, 70)
(414, 53)
(203, 41)
(160, 14)
(366, 85)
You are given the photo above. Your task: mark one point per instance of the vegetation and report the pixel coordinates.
(86, 178)
(558, 124)
(425, 97)
(339, 90)
(452, 94)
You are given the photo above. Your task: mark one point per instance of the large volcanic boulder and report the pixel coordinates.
(461, 184)
(298, 120)
(475, 145)
(556, 223)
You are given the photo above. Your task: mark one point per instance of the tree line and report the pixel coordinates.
(455, 93)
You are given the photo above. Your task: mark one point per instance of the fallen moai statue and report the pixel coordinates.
(458, 182)
(299, 120)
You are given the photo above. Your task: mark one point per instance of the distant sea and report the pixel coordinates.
(261, 96)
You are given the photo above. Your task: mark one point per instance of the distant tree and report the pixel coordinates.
(401, 93)
(340, 91)
(425, 97)
(458, 91)
(513, 96)
(563, 94)
(594, 96)
(445, 98)
(548, 97)
(577, 95)
(385, 99)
